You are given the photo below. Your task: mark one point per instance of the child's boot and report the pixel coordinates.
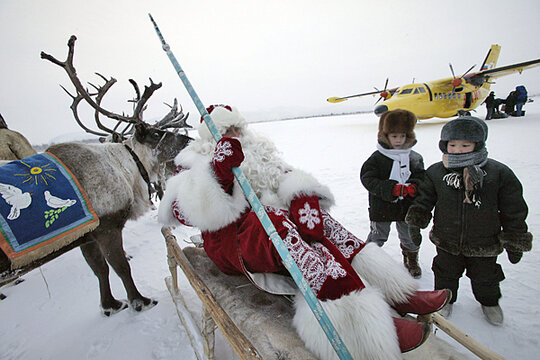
(494, 314)
(411, 334)
(424, 302)
(410, 260)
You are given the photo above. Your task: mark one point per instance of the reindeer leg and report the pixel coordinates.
(93, 256)
(114, 252)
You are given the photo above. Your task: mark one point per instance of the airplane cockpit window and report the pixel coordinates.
(422, 90)
(405, 91)
(416, 91)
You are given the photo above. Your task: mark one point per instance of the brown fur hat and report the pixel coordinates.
(397, 121)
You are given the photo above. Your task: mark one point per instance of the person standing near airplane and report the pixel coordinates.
(490, 105)
(510, 103)
(521, 99)
(391, 175)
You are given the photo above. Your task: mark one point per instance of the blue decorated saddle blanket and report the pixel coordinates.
(42, 208)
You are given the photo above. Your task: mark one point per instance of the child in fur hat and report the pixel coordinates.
(479, 211)
(391, 175)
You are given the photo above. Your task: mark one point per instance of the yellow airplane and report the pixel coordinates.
(447, 97)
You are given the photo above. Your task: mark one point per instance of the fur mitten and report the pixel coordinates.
(228, 154)
(515, 244)
(306, 214)
(417, 216)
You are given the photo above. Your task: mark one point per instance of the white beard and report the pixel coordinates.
(263, 167)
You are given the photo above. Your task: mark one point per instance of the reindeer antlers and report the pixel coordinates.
(173, 119)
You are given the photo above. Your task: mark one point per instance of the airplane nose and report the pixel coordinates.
(380, 109)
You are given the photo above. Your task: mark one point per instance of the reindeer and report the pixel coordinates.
(117, 177)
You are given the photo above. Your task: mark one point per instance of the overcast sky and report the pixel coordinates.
(265, 57)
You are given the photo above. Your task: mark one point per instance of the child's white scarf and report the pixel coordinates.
(401, 170)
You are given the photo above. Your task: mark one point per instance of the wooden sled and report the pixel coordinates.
(256, 324)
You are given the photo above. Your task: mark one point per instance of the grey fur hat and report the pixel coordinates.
(467, 128)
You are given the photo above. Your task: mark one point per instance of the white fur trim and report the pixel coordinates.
(223, 119)
(297, 182)
(196, 152)
(363, 320)
(380, 270)
(202, 200)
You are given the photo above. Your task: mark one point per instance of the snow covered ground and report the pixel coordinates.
(54, 313)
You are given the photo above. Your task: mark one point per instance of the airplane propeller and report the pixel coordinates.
(457, 81)
(383, 93)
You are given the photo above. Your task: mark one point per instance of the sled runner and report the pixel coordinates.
(256, 324)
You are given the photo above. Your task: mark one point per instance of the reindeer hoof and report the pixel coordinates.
(108, 312)
(142, 305)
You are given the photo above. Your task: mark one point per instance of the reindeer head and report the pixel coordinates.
(164, 142)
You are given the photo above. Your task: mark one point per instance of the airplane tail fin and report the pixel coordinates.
(491, 59)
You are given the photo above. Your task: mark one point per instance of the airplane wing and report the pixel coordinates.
(340, 99)
(507, 70)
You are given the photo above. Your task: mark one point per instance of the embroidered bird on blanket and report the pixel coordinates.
(57, 203)
(16, 198)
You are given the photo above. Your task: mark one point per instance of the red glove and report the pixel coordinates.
(306, 214)
(228, 154)
(405, 190)
(412, 190)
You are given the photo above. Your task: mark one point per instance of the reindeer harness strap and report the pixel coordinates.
(142, 171)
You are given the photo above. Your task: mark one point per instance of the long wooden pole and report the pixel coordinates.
(474, 346)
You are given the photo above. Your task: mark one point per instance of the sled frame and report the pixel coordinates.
(214, 315)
